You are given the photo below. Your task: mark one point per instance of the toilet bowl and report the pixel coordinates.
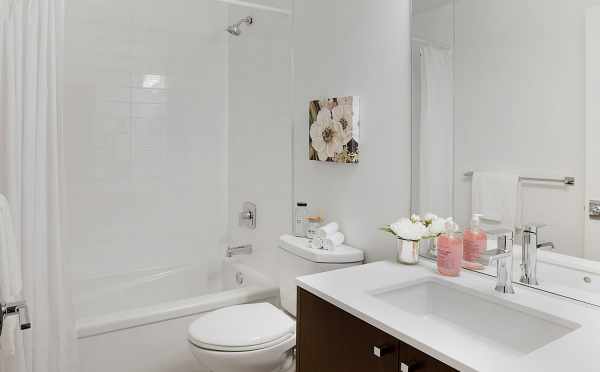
(260, 337)
(244, 338)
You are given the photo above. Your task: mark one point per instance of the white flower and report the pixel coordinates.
(437, 227)
(415, 218)
(343, 114)
(326, 135)
(430, 217)
(409, 230)
(327, 104)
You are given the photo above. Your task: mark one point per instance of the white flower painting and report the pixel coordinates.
(334, 130)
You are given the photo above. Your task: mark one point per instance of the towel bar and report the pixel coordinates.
(566, 180)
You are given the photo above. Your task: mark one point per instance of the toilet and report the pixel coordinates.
(260, 337)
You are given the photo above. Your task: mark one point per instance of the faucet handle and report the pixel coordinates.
(501, 257)
(16, 308)
(505, 243)
(504, 263)
(531, 227)
(24, 321)
(549, 245)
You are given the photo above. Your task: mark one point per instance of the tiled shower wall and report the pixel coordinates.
(145, 134)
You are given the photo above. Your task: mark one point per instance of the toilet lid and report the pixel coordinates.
(242, 328)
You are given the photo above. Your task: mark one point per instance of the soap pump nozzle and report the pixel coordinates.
(476, 221)
(451, 226)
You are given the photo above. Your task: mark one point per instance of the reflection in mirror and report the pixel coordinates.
(501, 128)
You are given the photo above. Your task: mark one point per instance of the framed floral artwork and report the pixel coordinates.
(334, 129)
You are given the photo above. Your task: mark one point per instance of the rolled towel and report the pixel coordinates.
(328, 230)
(333, 241)
(316, 243)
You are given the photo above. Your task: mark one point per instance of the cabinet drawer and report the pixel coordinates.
(331, 340)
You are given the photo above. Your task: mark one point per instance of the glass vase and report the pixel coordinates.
(408, 251)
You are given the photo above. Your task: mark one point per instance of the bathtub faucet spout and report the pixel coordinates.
(242, 249)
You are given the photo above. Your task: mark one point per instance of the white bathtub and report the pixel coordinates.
(139, 322)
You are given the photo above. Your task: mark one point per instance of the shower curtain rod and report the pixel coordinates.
(257, 6)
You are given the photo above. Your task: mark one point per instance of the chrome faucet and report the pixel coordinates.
(504, 261)
(530, 238)
(15, 308)
(242, 249)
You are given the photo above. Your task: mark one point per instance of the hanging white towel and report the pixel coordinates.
(496, 196)
(11, 283)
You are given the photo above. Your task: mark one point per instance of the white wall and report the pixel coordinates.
(260, 125)
(432, 21)
(519, 104)
(352, 47)
(146, 167)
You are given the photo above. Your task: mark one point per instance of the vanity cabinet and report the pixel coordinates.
(332, 340)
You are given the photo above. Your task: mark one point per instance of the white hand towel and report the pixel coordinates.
(333, 241)
(496, 197)
(324, 231)
(11, 283)
(316, 243)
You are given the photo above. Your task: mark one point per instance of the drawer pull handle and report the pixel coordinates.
(407, 366)
(381, 351)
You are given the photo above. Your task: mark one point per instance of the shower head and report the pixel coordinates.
(235, 28)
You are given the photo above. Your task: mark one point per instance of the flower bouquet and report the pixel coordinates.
(410, 232)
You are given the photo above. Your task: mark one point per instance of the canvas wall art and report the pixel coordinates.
(334, 129)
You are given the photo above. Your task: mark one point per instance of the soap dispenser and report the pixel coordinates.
(475, 240)
(450, 250)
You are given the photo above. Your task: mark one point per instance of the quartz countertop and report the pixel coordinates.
(351, 290)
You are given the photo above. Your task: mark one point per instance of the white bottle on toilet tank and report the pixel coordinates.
(300, 214)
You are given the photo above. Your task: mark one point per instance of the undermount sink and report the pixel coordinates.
(502, 325)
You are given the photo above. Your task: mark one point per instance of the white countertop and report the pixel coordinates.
(350, 290)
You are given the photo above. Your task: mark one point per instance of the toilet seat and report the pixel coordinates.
(247, 327)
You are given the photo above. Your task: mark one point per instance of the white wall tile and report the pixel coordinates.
(145, 107)
(260, 164)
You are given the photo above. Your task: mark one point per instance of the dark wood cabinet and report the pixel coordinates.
(331, 340)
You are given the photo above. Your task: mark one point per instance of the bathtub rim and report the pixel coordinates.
(113, 322)
(262, 288)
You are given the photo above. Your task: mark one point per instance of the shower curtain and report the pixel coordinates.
(31, 34)
(436, 147)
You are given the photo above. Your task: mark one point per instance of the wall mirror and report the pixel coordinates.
(506, 123)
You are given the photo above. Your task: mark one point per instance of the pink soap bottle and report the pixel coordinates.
(475, 240)
(450, 250)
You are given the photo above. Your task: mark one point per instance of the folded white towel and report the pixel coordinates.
(316, 243)
(328, 230)
(11, 283)
(496, 197)
(333, 241)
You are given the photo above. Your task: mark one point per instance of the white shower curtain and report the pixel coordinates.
(436, 127)
(31, 37)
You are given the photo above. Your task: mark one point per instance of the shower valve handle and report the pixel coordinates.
(13, 309)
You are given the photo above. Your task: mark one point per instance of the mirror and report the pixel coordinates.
(506, 124)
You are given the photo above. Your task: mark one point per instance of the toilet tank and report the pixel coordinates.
(296, 258)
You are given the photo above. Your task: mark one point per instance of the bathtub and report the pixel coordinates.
(139, 321)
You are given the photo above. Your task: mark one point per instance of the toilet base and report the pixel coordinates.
(278, 358)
